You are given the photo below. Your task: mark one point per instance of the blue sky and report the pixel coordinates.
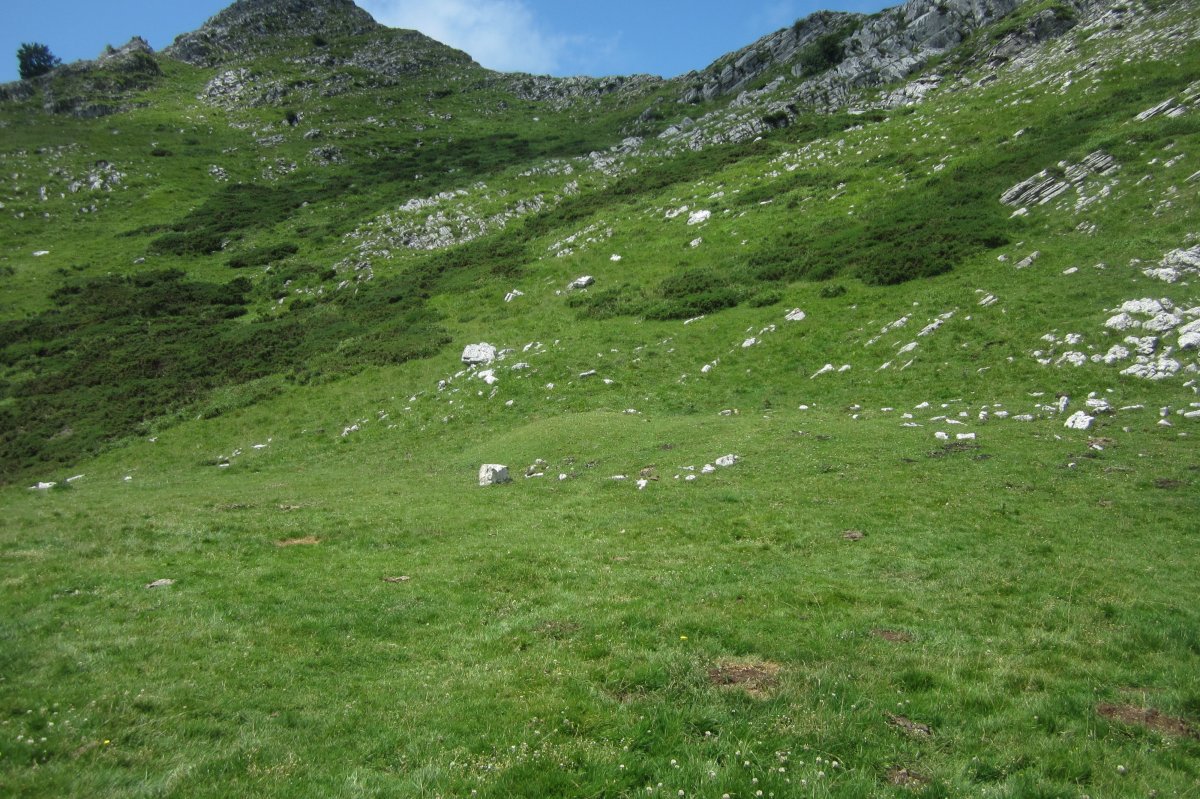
(557, 37)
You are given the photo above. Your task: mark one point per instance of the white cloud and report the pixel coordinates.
(499, 34)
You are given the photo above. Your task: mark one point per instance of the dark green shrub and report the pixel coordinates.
(261, 256)
(624, 300)
(764, 298)
(694, 292)
(225, 216)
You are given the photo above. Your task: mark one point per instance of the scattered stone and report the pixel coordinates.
(512, 295)
(795, 315)
(493, 474)
(404, 578)
(727, 460)
(1028, 260)
(163, 583)
(1176, 265)
(826, 369)
(581, 282)
(1152, 368)
(1122, 321)
(699, 217)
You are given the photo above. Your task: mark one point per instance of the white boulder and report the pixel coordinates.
(1189, 336)
(1079, 421)
(581, 282)
(475, 354)
(493, 474)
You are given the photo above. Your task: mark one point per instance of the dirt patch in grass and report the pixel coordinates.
(557, 629)
(404, 578)
(913, 728)
(306, 541)
(1149, 718)
(853, 535)
(906, 778)
(893, 636)
(952, 448)
(755, 677)
(1168, 483)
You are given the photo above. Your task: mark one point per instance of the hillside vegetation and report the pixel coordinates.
(866, 464)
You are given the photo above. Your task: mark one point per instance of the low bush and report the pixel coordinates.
(261, 256)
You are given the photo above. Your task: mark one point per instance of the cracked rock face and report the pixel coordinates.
(1044, 186)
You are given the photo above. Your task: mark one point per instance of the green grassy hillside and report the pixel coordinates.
(955, 553)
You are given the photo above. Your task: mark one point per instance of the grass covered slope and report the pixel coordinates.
(915, 579)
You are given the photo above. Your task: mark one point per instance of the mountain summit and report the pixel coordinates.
(252, 26)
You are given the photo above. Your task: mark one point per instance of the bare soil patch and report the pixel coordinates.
(914, 728)
(1168, 483)
(404, 578)
(906, 778)
(1147, 717)
(306, 541)
(755, 677)
(557, 628)
(853, 535)
(953, 448)
(893, 636)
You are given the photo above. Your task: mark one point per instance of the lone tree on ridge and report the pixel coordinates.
(35, 59)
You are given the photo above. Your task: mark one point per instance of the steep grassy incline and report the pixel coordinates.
(866, 466)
